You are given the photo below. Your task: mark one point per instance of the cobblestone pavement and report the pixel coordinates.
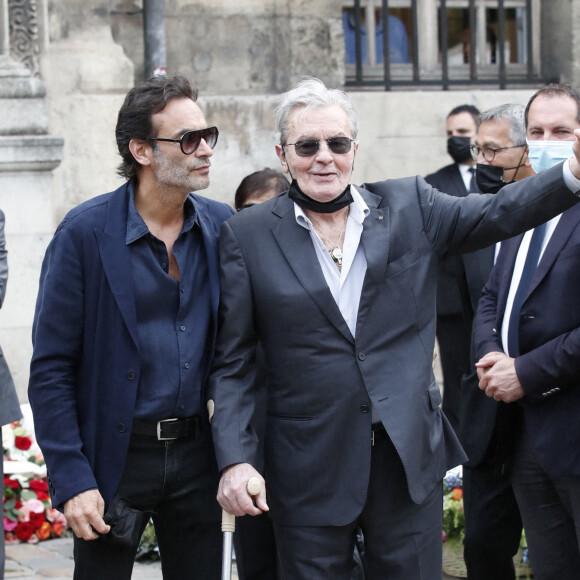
(53, 559)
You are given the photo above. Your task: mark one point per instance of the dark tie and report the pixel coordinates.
(530, 266)
(473, 183)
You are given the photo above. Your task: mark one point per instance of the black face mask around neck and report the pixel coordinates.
(305, 202)
(458, 148)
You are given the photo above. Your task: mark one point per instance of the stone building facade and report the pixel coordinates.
(65, 66)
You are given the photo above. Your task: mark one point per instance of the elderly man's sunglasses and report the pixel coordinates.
(189, 142)
(310, 147)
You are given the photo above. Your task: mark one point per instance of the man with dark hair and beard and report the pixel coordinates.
(123, 336)
(493, 526)
(453, 334)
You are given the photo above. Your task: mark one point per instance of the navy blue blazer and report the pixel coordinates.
(85, 368)
(549, 337)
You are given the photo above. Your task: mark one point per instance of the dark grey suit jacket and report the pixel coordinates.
(321, 379)
(9, 406)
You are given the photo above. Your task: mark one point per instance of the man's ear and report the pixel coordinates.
(141, 151)
(527, 162)
(282, 157)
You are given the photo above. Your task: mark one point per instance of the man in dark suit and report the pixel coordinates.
(123, 335)
(336, 284)
(453, 334)
(527, 331)
(9, 406)
(493, 526)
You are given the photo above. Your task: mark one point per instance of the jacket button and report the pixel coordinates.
(362, 356)
(364, 408)
(131, 375)
(121, 427)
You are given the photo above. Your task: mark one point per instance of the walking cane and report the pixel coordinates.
(228, 529)
(228, 520)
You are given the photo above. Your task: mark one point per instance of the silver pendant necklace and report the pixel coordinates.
(335, 250)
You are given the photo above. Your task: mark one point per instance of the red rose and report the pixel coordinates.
(43, 533)
(58, 528)
(22, 443)
(42, 495)
(38, 485)
(457, 493)
(24, 530)
(12, 483)
(36, 520)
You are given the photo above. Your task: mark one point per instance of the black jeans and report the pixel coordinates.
(176, 483)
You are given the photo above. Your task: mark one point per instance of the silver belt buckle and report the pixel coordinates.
(159, 438)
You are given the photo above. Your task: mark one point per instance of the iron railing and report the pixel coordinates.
(440, 74)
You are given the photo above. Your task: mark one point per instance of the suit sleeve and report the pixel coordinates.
(555, 364)
(479, 220)
(57, 341)
(232, 384)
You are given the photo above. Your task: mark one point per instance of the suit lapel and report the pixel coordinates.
(116, 259)
(375, 243)
(211, 251)
(296, 245)
(510, 249)
(566, 225)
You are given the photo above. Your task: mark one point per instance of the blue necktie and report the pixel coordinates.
(473, 181)
(530, 266)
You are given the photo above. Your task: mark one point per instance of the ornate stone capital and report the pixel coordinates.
(24, 33)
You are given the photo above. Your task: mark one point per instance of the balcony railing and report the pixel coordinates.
(442, 43)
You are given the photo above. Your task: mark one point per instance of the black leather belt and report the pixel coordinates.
(378, 433)
(169, 429)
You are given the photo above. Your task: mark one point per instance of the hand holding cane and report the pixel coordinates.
(229, 527)
(253, 487)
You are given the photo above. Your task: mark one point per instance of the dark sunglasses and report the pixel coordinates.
(309, 147)
(190, 141)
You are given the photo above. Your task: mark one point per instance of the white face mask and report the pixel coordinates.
(545, 154)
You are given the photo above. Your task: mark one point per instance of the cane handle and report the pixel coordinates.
(254, 486)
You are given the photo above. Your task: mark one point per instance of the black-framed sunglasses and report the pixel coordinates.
(189, 142)
(489, 152)
(309, 147)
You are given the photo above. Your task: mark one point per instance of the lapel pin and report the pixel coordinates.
(380, 217)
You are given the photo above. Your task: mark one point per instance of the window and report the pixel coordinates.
(430, 42)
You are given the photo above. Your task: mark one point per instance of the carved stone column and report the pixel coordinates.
(28, 154)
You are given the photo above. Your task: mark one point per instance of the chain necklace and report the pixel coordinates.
(335, 250)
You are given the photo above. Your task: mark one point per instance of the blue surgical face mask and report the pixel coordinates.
(545, 154)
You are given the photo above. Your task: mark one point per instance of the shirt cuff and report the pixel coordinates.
(571, 181)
